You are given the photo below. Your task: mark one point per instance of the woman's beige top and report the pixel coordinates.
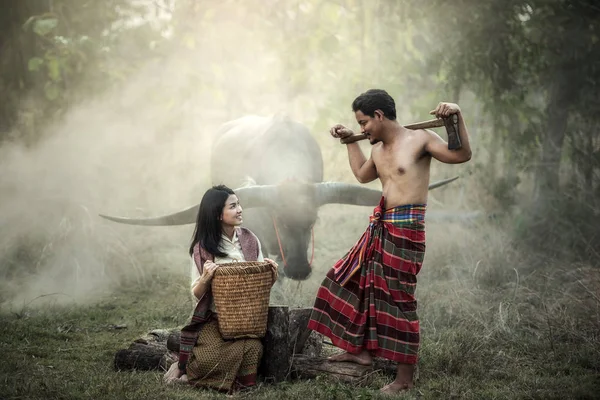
(233, 248)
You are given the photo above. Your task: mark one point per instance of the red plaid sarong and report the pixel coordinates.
(367, 299)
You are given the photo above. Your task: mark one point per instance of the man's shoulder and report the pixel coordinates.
(421, 134)
(377, 147)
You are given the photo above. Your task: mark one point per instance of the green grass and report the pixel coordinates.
(495, 325)
(470, 349)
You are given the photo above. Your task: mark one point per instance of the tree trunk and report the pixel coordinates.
(17, 47)
(590, 164)
(547, 171)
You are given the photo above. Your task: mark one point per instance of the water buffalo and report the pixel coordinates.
(276, 168)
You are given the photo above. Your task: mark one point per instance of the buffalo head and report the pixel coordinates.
(288, 213)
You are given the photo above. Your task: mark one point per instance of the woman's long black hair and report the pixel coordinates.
(208, 224)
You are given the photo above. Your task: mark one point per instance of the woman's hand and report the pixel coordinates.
(208, 271)
(273, 269)
(202, 285)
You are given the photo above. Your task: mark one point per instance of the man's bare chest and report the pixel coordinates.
(396, 161)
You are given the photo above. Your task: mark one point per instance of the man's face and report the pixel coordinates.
(369, 126)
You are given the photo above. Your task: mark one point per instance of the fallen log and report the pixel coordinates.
(173, 341)
(304, 367)
(142, 357)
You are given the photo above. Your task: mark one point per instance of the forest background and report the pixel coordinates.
(109, 107)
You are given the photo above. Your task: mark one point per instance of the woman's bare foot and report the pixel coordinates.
(174, 375)
(403, 381)
(362, 358)
(394, 388)
(181, 380)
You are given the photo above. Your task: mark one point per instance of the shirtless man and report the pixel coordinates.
(401, 159)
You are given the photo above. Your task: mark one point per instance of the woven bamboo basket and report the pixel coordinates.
(241, 293)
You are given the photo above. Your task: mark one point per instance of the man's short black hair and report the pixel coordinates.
(375, 99)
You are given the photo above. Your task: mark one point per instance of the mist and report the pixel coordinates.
(129, 151)
(138, 149)
(135, 141)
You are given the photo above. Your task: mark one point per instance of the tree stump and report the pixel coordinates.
(303, 341)
(275, 363)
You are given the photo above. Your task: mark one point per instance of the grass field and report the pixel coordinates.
(497, 323)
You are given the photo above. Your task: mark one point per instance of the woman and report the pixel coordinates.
(205, 359)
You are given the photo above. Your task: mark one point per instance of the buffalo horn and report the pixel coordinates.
(348, 193)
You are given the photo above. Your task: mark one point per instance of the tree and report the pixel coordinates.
(534, 62)
(56, 52)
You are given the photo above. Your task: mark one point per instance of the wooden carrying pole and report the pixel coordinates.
(432, 123)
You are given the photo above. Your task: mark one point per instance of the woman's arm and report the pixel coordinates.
(203, 283)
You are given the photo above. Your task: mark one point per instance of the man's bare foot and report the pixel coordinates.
(362, 358)
(403, 381)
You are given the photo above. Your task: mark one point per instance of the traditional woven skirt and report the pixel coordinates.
(224, 365)
(367, 299)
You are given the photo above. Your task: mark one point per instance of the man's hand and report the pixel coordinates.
(445, 110)
(438, 148)
(273, 269)
(340, 131)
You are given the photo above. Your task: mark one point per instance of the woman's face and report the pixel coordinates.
(232, 212)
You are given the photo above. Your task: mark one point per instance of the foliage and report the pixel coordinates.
(533, 64)
(516, 55)
(58, 53)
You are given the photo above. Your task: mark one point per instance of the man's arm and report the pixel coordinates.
(364, 170)
(438, 147)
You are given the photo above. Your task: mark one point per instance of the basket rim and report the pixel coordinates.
(234, 263)
(242, 268)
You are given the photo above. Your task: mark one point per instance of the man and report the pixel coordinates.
(366, 303)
